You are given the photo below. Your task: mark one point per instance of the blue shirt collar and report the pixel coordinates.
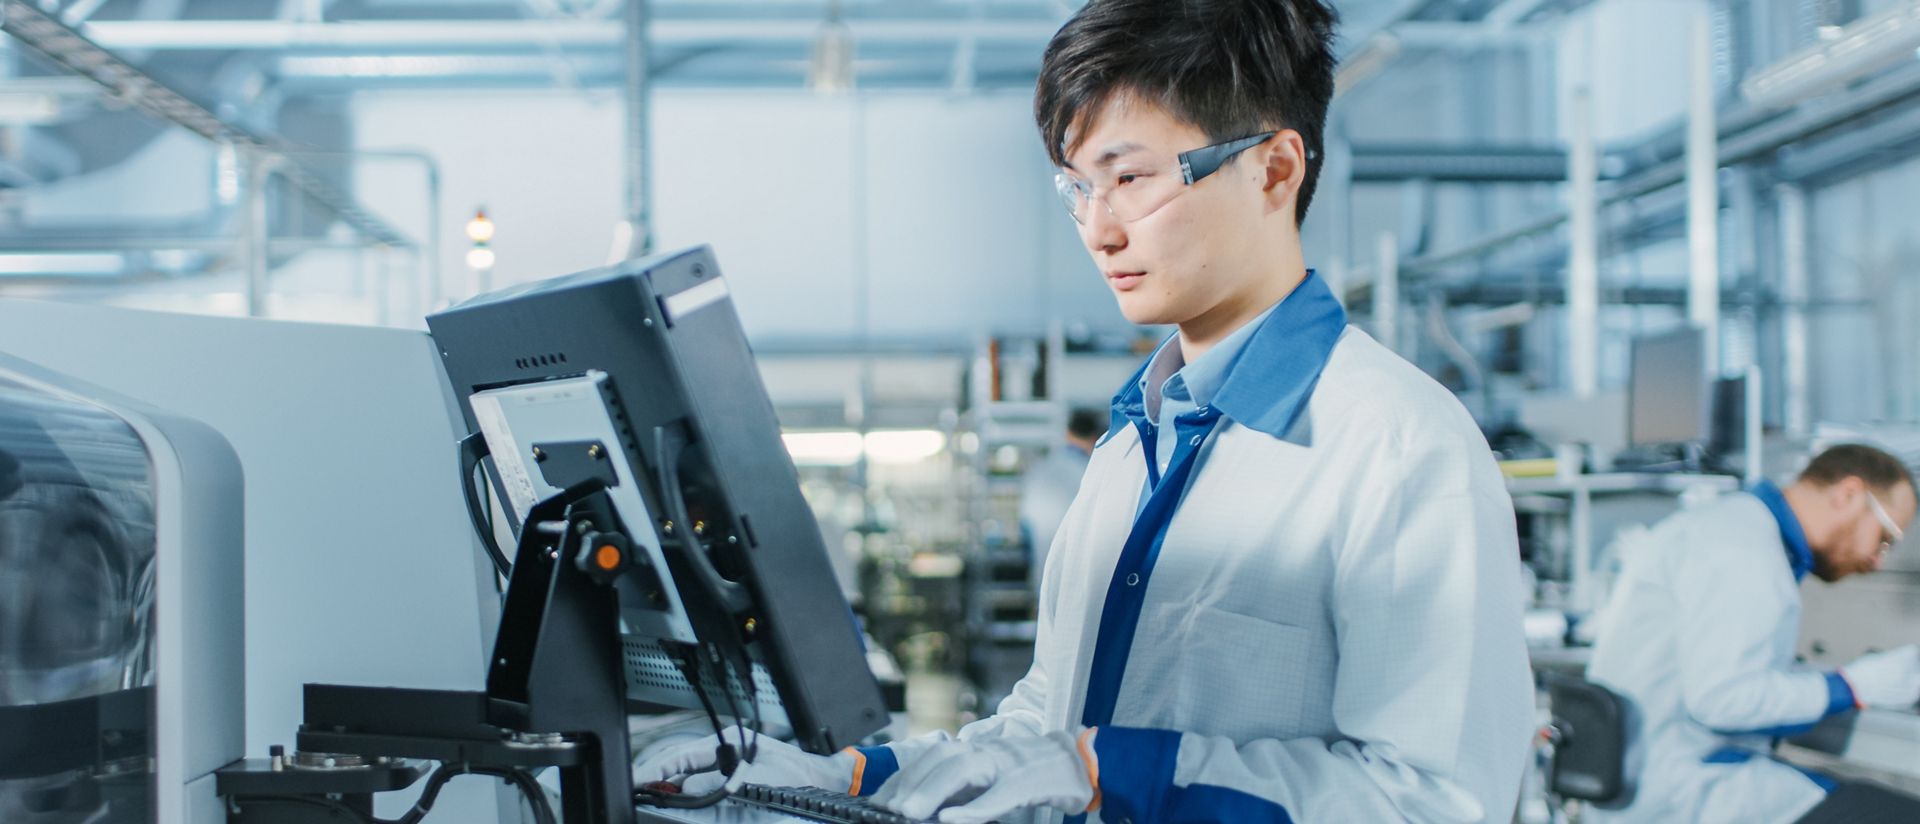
(1197, 382)
(1799, 552)
(1264, 381)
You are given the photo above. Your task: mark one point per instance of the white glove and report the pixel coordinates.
(1889, 679)
(992, 777)
(777, 764)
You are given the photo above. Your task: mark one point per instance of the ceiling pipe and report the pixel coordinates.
(1744, 136)
(290, 36)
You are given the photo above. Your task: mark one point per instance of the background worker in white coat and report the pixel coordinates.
(1289, 587)
(1700, 635)
(1051, 483)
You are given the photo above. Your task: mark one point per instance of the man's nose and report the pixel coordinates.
(1101, 231)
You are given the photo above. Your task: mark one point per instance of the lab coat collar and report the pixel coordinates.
(1799, 552)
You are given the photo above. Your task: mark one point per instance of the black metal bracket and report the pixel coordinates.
(556, 690)
(556, 664)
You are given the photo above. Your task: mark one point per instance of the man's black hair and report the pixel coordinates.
(1086, 424)
(1232, 68)
(1881, 471)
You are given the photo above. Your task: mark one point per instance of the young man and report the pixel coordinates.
(1701, 630)
(1288, 589)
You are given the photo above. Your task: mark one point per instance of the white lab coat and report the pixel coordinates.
(1333, 624)
(1699, 635)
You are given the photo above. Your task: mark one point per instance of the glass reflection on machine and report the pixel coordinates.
(76, 612)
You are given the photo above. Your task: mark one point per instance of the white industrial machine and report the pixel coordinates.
(121, 677)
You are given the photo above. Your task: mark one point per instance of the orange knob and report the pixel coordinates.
(607, 557)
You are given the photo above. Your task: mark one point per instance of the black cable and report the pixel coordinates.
(473, 450)
(542, 810)
(430, 793)
(739, 721)
(753, 702)
(747, 691)
(725, 760)
(690, 669)
(536, 797)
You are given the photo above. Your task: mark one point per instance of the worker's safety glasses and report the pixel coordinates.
(1138, 184)
(1891, 533)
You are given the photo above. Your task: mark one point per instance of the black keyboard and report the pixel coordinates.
(816, 804)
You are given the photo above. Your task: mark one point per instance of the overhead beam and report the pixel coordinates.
(1744, 136)
(1468, 163)
(294, 36)
(70, 50)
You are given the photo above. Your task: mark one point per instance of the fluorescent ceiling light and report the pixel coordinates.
(823, 448)
(844, 447)
(63, 264)
(904, 446)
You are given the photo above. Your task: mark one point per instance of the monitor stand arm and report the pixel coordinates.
(555, 697)
(556, 663)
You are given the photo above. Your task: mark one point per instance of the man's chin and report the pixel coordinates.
(1140, 313)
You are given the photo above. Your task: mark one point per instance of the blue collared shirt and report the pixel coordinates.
(1799, 552)
(1191, 385)
(1265, 383)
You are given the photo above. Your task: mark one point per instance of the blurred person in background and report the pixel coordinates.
(1051, 483)
(1700, 632)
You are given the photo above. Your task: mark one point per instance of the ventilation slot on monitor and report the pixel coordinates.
(653, 675)
(539, 361)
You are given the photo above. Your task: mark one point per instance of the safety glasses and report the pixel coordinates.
(1139, 186)
(1886, 523)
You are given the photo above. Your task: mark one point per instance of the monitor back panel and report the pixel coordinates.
(664, 333)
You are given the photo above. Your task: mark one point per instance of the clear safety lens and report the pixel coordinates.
(1129, 192)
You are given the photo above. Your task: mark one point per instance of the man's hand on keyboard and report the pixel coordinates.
(776, 763)
(989, 778)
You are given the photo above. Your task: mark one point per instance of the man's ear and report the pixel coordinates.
(1844, 490)
(1283, 161)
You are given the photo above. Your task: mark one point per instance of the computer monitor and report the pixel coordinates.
(1729, 430)
(638, 377)
(1667, 397)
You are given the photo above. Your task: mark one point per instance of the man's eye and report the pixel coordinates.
(1124, 179)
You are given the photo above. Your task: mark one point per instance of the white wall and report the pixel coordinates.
(544, 164)
(943, 206)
